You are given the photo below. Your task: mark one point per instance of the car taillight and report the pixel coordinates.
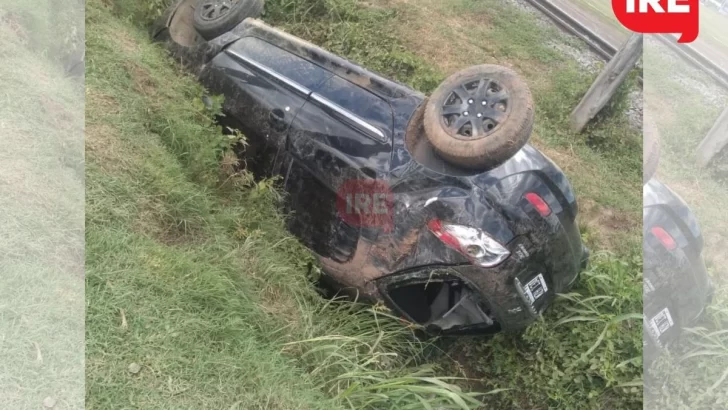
(541, 206)
(665, 238)
(475, 244)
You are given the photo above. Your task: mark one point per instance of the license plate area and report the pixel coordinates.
(534, 290)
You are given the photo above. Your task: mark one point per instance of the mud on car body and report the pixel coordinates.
(475, 243)
(677, 287)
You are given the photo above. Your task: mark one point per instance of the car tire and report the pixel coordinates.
(651, 152)
(480, 117)
(213, 18)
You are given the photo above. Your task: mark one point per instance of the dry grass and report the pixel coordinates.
(41, 242)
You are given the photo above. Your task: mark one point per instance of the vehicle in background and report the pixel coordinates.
(677, 287)
(676, 284)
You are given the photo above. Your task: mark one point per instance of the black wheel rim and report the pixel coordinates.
(475, 108)
(215, 9)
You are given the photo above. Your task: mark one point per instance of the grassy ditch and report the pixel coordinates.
(209, 296)
(198, 299)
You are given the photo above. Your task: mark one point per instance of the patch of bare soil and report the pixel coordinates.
(611, 225)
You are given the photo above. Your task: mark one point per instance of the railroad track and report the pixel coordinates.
(607, 51)
(570, 24)
(696, 58)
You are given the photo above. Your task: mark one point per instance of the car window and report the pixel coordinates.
(367, 106)
(293, 67)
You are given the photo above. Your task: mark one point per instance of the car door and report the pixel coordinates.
(264, 88)
(342, 133)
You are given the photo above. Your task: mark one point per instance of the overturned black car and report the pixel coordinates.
(435, 206)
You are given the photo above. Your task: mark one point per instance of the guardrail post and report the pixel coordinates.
(714, 142)
(607, 83)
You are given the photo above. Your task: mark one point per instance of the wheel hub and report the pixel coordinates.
(215, 9)
(475, 108)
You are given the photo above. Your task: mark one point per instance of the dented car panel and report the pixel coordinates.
(320, 122)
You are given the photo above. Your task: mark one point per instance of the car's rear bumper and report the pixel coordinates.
(512, 295)
(544, 261)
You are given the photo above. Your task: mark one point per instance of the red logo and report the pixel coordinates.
(660, 16)
(366, 203)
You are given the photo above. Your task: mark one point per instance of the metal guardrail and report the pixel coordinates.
(607, 51)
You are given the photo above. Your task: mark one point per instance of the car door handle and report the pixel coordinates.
(277, 120)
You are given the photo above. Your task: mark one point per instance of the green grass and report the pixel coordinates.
(688, 102)
(216, 305)
(583, 354)
(41, 245)
(199, 299)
